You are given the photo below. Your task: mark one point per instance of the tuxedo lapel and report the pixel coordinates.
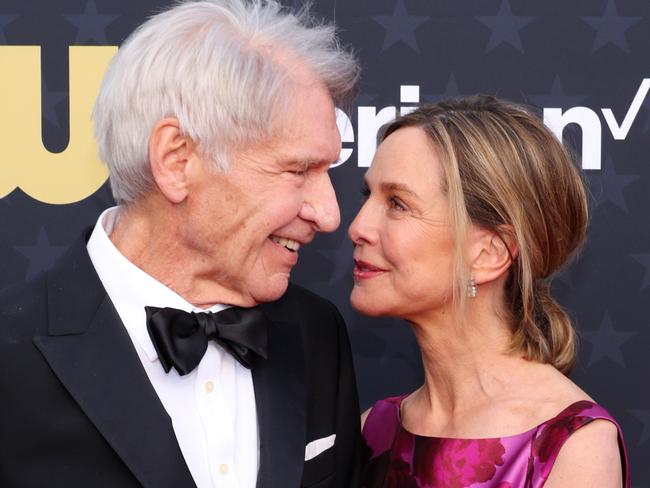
(281, 398)
(91, 353)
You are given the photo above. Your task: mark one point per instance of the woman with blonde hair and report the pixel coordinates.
(472, 206)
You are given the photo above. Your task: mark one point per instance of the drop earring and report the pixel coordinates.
(472, 288)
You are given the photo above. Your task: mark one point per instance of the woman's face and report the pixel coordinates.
(404, 245)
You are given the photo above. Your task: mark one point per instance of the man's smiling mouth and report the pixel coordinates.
(289, 244)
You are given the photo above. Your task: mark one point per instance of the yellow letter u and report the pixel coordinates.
(73, 174)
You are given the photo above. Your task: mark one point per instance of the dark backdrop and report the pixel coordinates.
(553, 54)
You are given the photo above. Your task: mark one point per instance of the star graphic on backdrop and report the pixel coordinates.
(643, 260)
(611, 27)
(606, 342)
(505, 27)
(342, 259)
(451, 90)
(90, 24)
(608, 185)
(400, 26)
(557, 97)
(50, 99)
(644, 417)
(5, 20)
(41, 255)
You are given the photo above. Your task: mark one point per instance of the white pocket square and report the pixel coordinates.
(314, 448)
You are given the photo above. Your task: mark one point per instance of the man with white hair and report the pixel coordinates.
(168, 348)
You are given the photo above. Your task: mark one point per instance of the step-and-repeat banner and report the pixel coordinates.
(582, 63)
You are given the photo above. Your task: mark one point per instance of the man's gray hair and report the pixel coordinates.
(211, 65)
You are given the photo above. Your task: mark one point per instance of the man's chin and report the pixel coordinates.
(270, 291)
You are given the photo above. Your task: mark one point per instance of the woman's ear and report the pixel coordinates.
(170, 155)
(491, 252)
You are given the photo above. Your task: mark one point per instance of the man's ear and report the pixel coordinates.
(170, 155)
(491, 253)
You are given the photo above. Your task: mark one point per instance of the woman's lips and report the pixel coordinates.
(363, 270)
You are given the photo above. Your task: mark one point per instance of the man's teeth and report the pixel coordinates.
(288, 243)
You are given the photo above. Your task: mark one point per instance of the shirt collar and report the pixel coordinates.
(129, 287)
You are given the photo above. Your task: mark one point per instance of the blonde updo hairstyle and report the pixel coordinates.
(503, 170)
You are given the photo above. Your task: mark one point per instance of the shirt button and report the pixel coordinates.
(223, 469)
(208, 386)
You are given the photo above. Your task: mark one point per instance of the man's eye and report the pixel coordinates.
(299, 169)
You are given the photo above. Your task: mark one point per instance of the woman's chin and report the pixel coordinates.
(368, 306)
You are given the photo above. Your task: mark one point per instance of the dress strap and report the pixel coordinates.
(552, 434)
(382, 424)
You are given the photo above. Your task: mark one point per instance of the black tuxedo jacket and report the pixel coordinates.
(77, 409)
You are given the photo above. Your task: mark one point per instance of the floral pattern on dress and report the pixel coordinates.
(404, 460)
(456, 463)
(552, 435)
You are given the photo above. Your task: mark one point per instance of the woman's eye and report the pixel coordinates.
(395, 204)
(365, 193)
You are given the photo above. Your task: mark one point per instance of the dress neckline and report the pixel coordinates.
(527, 433)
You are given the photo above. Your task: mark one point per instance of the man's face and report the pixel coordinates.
(249, 223)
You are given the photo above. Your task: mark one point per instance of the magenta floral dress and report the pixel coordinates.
(395, 458)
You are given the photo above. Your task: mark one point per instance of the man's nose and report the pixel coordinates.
(320, 206)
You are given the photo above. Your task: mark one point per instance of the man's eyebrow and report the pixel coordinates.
(312, 162)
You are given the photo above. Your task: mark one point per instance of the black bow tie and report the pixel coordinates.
(181, 338)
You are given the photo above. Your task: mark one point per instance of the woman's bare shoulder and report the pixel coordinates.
(589, 457)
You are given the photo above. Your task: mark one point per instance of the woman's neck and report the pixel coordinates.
(467, 364)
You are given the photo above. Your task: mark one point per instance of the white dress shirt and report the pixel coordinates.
(212, 408)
